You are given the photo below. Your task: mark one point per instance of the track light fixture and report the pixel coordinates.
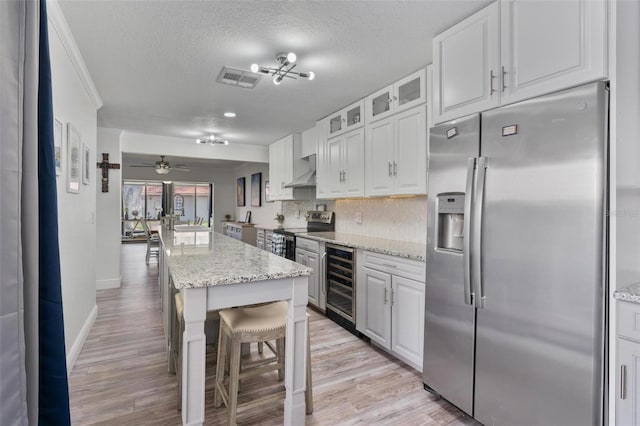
(287, 63)
(213, 140)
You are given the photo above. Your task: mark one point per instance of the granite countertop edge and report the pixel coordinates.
(240, 279)
(347, 240)
(630, 293)
(219, 260)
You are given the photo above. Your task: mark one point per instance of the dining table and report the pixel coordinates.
(214, 272)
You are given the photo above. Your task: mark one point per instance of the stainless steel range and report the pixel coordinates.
(317, 221)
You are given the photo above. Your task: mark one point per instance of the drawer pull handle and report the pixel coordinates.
(389, 265)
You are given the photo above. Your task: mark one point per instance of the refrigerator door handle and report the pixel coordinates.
(466, 241)
(478, 202)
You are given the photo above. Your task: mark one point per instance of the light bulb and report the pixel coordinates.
(255, 68)
(291, 57)
(212, 137)
(276, 80)
(198, 141)
(312, 75)
(230, 114)
(226, 142)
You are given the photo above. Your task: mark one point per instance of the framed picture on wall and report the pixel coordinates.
(256, 189)
(57, 145)
(74, 159)
(240, 192)
(86, 162)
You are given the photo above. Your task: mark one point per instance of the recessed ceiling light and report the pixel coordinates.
(229, 114)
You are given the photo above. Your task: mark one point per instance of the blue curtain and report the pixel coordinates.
(53, 404)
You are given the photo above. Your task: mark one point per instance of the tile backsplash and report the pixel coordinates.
(294, 211)
(394, 218)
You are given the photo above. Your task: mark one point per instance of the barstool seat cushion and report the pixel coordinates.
(257, 319)
(211, 315)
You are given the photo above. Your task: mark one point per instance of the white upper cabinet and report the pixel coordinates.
(346, 119)
(285, 163)
(322, 127)
(517, 49)
(465, 66)
(397, 97)
(345, 165)
(396, 154)
(550, 45)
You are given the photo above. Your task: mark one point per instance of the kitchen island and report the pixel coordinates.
(213, 272)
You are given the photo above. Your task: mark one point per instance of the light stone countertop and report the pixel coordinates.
(408, 250)
(203, 259)
(630, 293)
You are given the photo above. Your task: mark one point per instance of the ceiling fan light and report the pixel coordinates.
(226, 142)
(199, 141)
(277, 80)
(229, 114)
(255, 68)
(312, 75)
(291, 57)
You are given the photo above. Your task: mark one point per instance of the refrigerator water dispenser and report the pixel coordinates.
(450, 221)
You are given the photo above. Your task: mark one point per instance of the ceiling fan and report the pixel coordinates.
(163, 167)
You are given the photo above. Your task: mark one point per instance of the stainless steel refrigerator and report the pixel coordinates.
(516, 261)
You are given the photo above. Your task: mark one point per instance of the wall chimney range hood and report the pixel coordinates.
(307, 180)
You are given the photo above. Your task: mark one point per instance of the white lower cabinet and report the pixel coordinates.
(390, 304)
(375, 315)
(628, 373)
(628, 398)
(308, 256)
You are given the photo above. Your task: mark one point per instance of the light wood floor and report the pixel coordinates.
(121, 375)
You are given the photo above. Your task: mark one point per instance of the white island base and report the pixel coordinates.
(196, 303)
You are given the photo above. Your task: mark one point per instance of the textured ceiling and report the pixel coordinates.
(155, 63)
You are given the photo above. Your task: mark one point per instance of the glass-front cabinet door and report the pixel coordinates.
(402, 95)
(410, 91)
(335, 124)
(380, 104)
(346, 119)
(354, 115)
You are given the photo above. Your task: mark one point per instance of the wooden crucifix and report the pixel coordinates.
(105, 165)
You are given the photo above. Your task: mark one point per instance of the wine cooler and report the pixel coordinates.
(341, 290)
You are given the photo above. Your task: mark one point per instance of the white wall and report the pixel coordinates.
(266, 213)
(108, 239)
(223, 179)
(75, 101)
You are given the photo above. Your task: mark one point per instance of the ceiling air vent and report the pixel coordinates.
(235, 77)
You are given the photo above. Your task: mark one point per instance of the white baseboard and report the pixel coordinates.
(74, 351)
(110, 283)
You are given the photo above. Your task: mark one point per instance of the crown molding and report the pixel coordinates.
(60, 25)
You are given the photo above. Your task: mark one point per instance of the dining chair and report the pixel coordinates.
(153, 242)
